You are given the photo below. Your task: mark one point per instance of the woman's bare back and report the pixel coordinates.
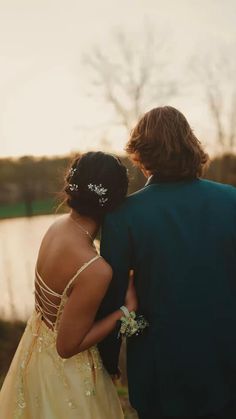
(63, 251)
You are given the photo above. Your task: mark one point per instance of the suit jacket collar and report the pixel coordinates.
(149, 181)
(159, 179)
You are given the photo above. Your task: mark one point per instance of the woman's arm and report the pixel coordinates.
(100, 330)
(77, 330)
(105, 326)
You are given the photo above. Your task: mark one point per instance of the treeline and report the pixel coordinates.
(28, 180)
(223, 169)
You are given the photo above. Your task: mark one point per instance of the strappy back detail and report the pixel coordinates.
(42, 300)
(43, 292)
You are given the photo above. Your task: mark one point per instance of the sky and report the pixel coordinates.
(47, 104)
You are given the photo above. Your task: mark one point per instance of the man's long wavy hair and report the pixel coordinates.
(163, 143)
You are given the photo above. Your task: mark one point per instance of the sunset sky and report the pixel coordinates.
(46, 104)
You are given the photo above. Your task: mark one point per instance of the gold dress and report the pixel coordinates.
(42, 385)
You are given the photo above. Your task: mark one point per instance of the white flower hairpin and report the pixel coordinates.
(100, 191)
(72, 171)
(73, 187)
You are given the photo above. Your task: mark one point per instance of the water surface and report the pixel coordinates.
(19, 244)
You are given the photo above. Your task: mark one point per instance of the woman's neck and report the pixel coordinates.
(86, 224)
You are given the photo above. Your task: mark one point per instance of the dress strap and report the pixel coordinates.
(83, 267)
(44, 286)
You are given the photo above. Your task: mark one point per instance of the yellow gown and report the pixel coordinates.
(42, 385)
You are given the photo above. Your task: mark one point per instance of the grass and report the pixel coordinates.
(39, 207)
(10, 334)
(124, 399)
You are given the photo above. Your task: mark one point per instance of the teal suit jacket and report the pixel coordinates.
(180, 239)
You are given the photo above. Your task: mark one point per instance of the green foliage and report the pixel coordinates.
(223, 169)
(124, 399)
(39, 207)
(30, 186)
(28, 179)
(122, 391)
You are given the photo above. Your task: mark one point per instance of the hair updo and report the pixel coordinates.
(96, 183)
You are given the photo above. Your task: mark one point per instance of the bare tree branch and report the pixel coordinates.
(133, 76)
(217, 75)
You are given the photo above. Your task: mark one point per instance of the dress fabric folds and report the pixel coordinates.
(42, 385)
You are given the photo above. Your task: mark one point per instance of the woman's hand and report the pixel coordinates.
(131, 300)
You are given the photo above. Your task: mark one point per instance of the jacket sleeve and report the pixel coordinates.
(116, 250)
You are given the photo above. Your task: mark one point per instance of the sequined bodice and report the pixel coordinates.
(51, 304)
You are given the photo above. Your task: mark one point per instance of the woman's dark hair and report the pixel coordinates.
(164, 143)
(96, 183)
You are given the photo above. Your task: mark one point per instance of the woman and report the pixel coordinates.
(57, 372)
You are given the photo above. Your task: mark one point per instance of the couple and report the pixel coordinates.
(178, 236)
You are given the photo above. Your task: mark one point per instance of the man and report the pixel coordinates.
(178, 234)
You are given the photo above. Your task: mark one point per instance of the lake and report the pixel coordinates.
(19, 244)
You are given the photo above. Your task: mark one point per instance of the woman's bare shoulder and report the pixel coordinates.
(103, 268)
(98, 270)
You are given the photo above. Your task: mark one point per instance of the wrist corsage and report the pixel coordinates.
(131, 324)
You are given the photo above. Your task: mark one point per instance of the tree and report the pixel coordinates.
(217, 75)
(29, 179)
(133, 75)
(26, 182)
(223, 169)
